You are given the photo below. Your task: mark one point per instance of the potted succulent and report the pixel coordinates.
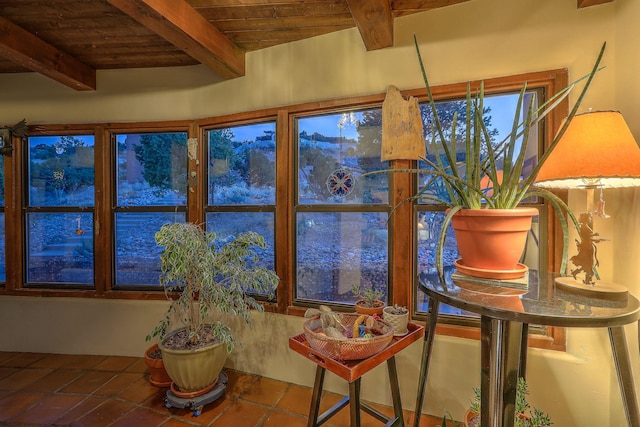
(489, 182)
(398, 317)
(369, 301)
(213, 279)
(525, 414)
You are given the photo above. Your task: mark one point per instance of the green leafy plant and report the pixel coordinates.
(525, 414)
(454, 423)
(211, 279)
(491, 176)
(368, 295)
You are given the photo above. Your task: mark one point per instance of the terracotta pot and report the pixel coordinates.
(471, 419)
(492, 239)
(157, 373)
(377, 308)
(194, 370)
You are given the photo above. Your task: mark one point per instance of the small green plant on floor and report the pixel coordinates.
(447, 418)
(526, 415)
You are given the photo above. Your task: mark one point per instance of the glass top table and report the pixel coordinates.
(505, 314)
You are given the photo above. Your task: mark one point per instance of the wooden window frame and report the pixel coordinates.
(401, 255)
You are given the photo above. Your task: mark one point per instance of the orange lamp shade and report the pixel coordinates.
(596, 149)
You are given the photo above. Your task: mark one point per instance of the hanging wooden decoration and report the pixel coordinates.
(401, 127)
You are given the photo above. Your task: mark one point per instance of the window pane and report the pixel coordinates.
(152, 169)
(60, 248)
(1, 182)
(499, 111)
(242, 165)
(334, 151)
(339, 249)
(137, 254)
(61, 171)
(227, 225)
(3, 259)
(3, 262)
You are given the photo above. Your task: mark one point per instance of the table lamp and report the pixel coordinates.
(596, 151)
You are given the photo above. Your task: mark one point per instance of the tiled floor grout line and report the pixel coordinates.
(55, 373)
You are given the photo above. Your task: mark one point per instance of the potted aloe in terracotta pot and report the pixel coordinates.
(484, 181)
(207, 280)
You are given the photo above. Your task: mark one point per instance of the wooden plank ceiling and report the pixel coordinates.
(68, 40)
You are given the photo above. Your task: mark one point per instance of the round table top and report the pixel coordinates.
(540, 303)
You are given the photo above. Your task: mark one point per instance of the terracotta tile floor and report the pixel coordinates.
(79, 390)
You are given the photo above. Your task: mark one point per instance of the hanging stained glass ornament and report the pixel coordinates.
(340, 182)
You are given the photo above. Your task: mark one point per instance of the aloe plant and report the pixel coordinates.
(466, 185)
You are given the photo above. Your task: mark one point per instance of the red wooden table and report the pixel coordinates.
(352, 371)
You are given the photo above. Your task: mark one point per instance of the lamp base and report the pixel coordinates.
(601, 290)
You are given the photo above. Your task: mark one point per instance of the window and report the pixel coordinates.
(341, 227)
(310, 189)
(498, 116)
(3, 259)
(151, 190)
(60, 210)
(241, 183)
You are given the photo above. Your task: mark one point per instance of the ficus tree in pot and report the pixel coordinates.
(206, 279)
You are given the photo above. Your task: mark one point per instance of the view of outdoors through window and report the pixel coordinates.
(498, 117)
(3, 260)
(341, 211)
(59, 217)
(151, 191)
(241, 193)
(341, 216)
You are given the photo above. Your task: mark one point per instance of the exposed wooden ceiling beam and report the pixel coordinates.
(374, 21)
(179, 23)
(587, 3)
(25, 49)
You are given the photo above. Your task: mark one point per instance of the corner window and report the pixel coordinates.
(498, 116)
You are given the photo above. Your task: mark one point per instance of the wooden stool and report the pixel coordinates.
(352, 371)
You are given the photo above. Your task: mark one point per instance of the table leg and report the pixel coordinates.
(354, 403)
(625, 374)
(524, 348)
(315, 397)
(432, 319)
(395, 390)
(500, 358)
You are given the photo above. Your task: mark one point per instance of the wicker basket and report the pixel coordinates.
(347, 348)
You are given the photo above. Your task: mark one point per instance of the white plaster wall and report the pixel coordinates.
(474, 40)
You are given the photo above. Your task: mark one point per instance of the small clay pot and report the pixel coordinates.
(377, 308)
(157, 374)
